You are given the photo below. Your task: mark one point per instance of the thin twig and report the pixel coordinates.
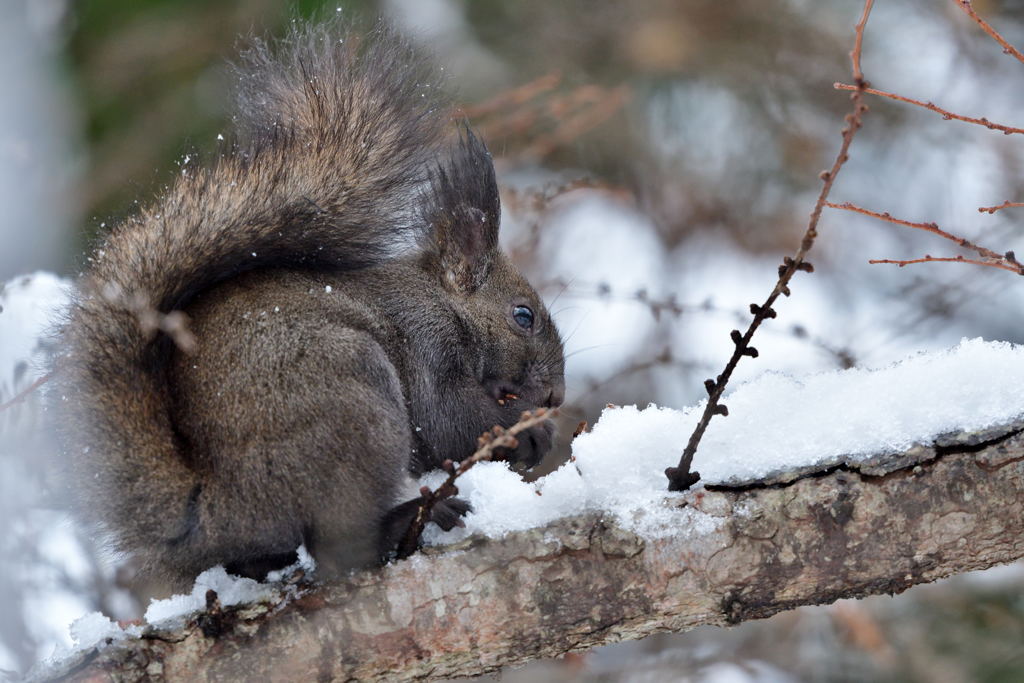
(681, 477)
(1006, 261)
(1007, 130)
(23, 394)
(581, 119)
(858, 45)
(952, 259)
(1005, 205)
(487, 444)
(564, 115)
(513, 97)
(965, 5)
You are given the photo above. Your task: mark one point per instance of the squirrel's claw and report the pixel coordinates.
(448, 513)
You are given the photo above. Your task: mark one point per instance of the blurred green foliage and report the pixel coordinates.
(151, 80)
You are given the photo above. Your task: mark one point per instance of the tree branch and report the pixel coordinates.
(801, 538)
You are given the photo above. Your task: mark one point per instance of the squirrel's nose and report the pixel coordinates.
(556, 395)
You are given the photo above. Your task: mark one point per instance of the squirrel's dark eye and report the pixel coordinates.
(523, 317)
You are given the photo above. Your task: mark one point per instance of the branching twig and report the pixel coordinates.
(1007, 261)
(603, 291)
(1005, 205)
(670, 304)
(965, 5)
(989, 258)
(487, 444)
(681, 477)
(1007, 130)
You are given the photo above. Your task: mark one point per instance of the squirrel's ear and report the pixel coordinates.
(463, 210)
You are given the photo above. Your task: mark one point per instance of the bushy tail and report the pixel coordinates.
(337, 136)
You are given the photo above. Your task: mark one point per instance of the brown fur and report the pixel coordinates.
(301, 410)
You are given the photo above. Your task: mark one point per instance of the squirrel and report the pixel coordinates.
(351, 322)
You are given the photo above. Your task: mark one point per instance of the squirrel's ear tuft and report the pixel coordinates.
(463, 211)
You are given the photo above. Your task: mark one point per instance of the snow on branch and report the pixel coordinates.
(871, 527)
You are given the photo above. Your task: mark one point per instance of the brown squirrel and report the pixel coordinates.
(354, 322)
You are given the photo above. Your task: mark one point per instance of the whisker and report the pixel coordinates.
(586, 348)
(565, 286)
(560, 311)
(579, 323)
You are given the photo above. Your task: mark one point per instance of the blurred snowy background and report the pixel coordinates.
(658, 159)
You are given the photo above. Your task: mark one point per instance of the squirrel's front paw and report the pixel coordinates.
(448, 513)
(534, 444)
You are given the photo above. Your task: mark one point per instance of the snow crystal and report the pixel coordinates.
(775, 423)
(231, 590)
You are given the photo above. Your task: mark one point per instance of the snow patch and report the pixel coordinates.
(775, 423)
(778, 422)
(96, 630)
(231, 590)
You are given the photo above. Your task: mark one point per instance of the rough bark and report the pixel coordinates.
(799, 539)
